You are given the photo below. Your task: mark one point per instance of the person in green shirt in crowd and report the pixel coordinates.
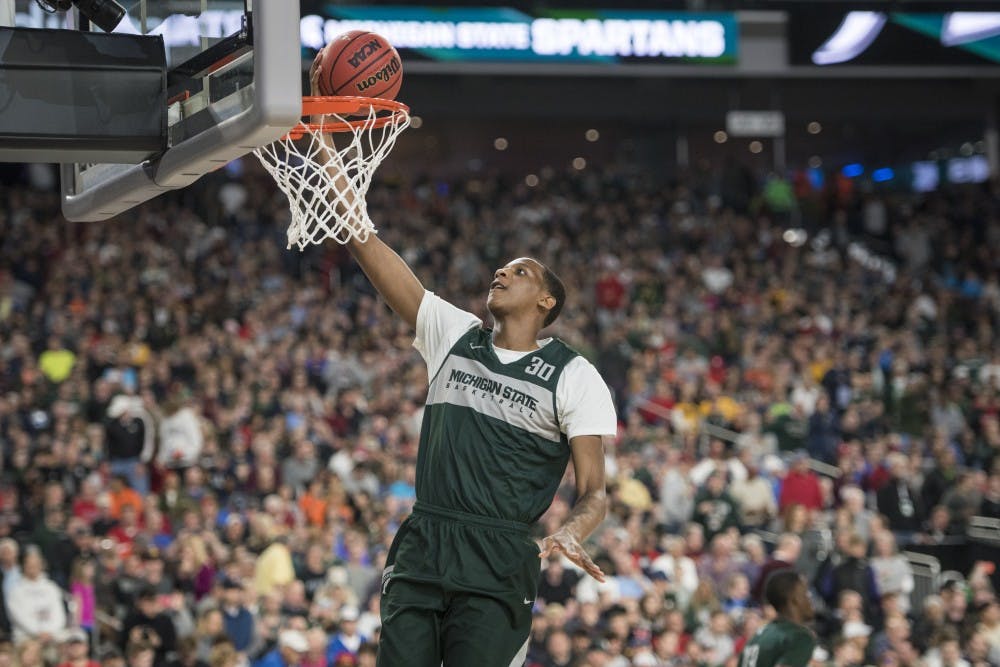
(785, 641)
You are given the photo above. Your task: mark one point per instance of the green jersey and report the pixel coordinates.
(491, 443)
(780, 643)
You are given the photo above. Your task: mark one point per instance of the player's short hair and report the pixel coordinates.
(557, 289)
(780, 587)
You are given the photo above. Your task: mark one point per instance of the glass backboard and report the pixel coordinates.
(234, 82)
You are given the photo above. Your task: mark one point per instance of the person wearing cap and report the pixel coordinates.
(347, 638)
(76, 650)
(239, 623)
(147, 622)
(786, 641)
(292, 647)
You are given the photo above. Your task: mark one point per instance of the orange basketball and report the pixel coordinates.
(360, 63)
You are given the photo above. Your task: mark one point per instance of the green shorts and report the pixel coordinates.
(457, 588)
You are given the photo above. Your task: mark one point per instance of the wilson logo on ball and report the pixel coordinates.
(383, 74)
(362, 54)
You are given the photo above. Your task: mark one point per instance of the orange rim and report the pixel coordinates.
(385, 111)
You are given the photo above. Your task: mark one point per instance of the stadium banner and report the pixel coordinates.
(504, 34)
(469, 34)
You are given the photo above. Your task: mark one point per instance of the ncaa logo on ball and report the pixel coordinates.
(383, 74)
(361, 55)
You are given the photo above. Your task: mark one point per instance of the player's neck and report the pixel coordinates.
(791, 618)
(515, 335)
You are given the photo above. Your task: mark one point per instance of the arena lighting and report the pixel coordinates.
(882, 175)
(964, 27)
(852, 170)
(855, 34)
(105, 14)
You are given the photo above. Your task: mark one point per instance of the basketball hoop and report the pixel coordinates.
(326, 184)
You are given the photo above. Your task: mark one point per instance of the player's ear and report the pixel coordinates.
(546, 301)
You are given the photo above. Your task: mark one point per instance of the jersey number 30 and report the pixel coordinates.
(540, 369)
(749, 658)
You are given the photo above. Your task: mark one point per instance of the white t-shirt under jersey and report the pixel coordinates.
(583, 401)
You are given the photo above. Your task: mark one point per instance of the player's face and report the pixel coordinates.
(515, 286)
(801, 601)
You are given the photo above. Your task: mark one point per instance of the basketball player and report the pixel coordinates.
(785, 641)
(505, 413)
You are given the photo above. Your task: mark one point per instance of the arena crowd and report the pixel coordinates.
(208, 441)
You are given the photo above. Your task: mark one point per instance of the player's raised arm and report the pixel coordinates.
(386, 270)
(390, 275)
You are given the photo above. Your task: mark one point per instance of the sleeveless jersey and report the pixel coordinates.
(490, 443)
(780, 643)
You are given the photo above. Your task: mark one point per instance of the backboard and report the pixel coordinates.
(234, 82)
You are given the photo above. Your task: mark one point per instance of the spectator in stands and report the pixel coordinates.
(853, 573)
(801, 486)
(149, 625)
(893, 573)
(208, 632)
(784, 557)
(30, 653)
(714, 509)
(289, 652)
(128, 433)
(180, 432)
(140, 653)
(945, 652)
(824, 432)
(238, 621)
(720, 563)
(10, 569)
(75, 649)
(35, 603)
(853, 498)
(677, 568)
(755, 498)
(676, 492)
(81, 587)
(897, 501)
(716, 638)
(557, 583)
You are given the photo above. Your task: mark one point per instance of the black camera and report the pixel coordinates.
(105, 14)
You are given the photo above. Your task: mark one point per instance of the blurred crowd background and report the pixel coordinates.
(207, 442)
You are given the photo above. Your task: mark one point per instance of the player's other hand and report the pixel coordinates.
(564, 542)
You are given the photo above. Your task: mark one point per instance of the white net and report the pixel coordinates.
(326, 184)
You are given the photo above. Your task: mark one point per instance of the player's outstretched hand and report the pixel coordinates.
(314, 71)
(564, 542)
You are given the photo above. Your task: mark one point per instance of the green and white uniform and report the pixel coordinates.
(462, 572)
(780, 643)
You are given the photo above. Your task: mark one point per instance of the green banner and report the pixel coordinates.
(503, 34)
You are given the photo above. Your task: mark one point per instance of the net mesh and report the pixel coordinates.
(325, 183)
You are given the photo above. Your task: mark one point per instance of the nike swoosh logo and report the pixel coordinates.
(527, 601)
(476, 347)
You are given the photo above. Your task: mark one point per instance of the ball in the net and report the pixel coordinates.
(360, 63)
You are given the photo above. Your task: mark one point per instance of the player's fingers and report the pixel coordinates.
(591, 569)
(582, 558)
(552, 547)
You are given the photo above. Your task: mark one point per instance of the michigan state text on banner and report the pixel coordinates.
(477, 34)
(500, 34)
